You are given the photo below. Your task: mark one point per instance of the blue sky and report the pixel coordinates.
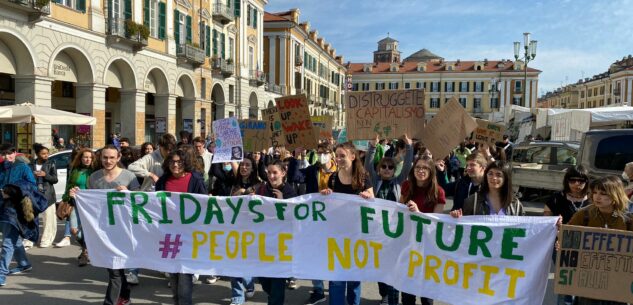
(575, 37)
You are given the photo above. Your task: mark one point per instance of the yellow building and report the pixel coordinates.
(141, 67)
(565, 97)
(484, 87)
(298, 61)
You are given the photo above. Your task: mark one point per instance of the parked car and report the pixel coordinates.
(62, 160)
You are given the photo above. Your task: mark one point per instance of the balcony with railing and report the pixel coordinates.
(298, 61)
(616, 91)
(225, 67)
(186, 53)
(126, 33)
(270, 87)
(257, 77)
(34, 8)
(222, 13)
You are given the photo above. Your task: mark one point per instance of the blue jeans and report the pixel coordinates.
(317, 287)
(338, 292)
(182, 288)
(238, 288)
(67, 228)
(11, 248)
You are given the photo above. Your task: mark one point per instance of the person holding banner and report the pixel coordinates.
(351, 178)
(179, 175)
(387, 186)
(608, 210)
(111, 176)
(495, 196)
(422, 193)
(275, 187)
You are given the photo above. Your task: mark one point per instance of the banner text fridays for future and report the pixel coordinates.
(472, 260)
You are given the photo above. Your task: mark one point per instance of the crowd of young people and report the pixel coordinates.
(404, 172)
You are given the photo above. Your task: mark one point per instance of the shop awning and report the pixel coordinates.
(30, 113)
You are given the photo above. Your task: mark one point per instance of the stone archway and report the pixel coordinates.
(185, 92)
(218, 102)
(271, 104)
(125, 106)
(253, 107)
(158, 120)
(17, 85)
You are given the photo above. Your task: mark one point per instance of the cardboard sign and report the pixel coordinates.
(323, 125)
(595, 263)
(228, 141)
(271, 116)
(447, 129)
(295, 122)
(389, 113)
(488, 132)
(255, 135)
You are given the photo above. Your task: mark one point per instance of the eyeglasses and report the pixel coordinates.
(422, 169)
(176, 162)
(578, 180)
(384, 166)
(495, 175)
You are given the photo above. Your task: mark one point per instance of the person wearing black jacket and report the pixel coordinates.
(179, 175)
(461, 189)
(275, 187)
(45, 174)
(225, 177)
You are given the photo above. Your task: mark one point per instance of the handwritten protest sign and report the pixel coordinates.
(389, 113)
(323, 125)
(295, 122)
(255, 135)
(271, 116)
(228, 141)
(488, 132)
(471, 260)
(447, 129)
(595, 263)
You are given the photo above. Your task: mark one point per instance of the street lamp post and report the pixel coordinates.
(530, 54)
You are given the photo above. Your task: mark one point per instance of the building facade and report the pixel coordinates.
(141, 68)
(297, 61)
(483, 87)
(609, 89)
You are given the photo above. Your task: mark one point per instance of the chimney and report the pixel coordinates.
(294, 15)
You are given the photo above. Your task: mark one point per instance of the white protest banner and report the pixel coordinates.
(228, 141)
(471, 260)
(595, 263)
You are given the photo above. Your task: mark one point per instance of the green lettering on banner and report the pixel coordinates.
(251, 207)
(399, 225)
(111, 202)
(138, 207)
(213, 210)
(476, 242)
(235, 208)
(365, 218)
(508, 244)
(280, 207)
(183, 219)
(163, 206)
(457, 239)
(298, 208)
(317, 213)
(419, 227)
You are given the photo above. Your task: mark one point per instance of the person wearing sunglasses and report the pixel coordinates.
(387, 186)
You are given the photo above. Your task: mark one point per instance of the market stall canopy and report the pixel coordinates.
(30, 113)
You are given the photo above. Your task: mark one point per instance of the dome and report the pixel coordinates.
(422, 55)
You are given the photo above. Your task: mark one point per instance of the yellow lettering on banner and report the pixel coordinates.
(451, 265)
(232, 239)
(213, 244)
(344, 257)
(263, 256)
(430, 268)
(488, 271)
(376, 247)
(415, 260)
(283, 256)
(196, 236)
(468, 273)
(248, 238)
(514, 275)
(361, 262)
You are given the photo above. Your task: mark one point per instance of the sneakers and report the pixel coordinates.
(3, 281)
(18, 270)
(27, 244)
(131, 278)
(315, 298)
(211, 279)
(250, 293)
(292, 284)
(83, 259)
(122, 301)
(65, 242)
(46, 245)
